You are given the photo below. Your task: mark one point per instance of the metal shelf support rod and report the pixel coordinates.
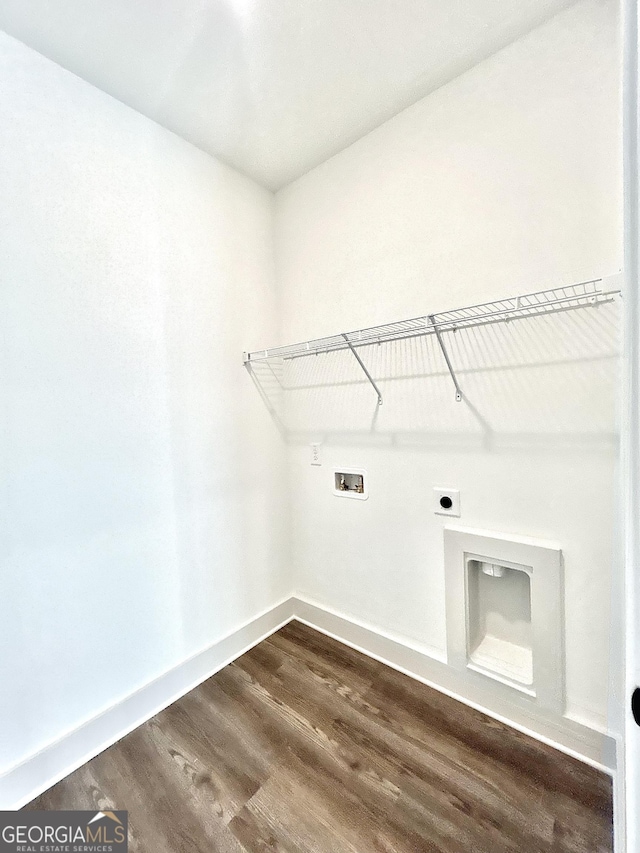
(446, 357)
(366, 372)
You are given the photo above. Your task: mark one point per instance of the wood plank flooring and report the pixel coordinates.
(306, 746)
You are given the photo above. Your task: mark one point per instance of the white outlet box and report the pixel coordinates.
(351, 483)
(446, 502)
(316, 455)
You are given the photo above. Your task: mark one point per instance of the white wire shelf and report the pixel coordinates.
(568, 298)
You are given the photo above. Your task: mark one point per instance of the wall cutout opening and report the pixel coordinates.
(500, 637)
(504, 596)
(350, 483)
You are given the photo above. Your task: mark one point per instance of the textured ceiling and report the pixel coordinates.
(272, 87)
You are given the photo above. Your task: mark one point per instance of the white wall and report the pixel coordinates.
(505, 181)
(141, 479)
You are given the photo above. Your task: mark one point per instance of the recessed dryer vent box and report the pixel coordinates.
(350, 483)
(499, 635)
(504, 597)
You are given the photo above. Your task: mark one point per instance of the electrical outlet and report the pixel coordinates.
(316, 456)
(446, 502)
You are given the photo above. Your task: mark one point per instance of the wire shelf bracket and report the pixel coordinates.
(585, 294)
(446, 357)
(364, 369)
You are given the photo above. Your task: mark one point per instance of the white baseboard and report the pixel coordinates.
(569, 736)
(25, 781)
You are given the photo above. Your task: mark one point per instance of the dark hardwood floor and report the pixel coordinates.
(305, 745)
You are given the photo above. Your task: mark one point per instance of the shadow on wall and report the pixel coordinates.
(545, 382)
